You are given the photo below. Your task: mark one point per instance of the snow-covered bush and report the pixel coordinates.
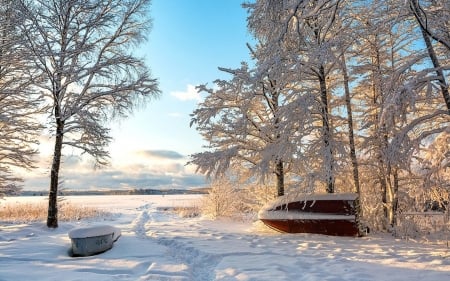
(221, 201)
(187, 211)
(257, 195)
(423, 225)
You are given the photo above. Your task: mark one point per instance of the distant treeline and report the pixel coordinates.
(139, 191)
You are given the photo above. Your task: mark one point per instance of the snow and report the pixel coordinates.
(93, 231)
(293, 197)
(267, 211)
(295, 215)
(157, 244)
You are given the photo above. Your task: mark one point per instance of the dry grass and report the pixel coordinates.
(33, 212)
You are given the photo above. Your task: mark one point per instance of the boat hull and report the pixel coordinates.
(88, 241)
(328, 214)
(92, 245)
(327, 227)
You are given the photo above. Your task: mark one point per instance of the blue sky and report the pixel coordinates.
(187, 43)
(189, 40)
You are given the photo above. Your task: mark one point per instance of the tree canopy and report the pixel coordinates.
(361, 90)
(83, 51)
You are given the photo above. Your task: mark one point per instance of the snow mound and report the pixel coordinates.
(94, 231)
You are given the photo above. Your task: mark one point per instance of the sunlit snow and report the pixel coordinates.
(157, 244)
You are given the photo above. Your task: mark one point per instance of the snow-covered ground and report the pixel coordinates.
(157, 244)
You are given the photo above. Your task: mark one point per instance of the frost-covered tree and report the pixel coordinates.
(84, 50)
(398, 102)
(433, 19)
(240, 121)
(382, 40)
(301, 35)
(350, 121)
(357, 89)
(18, 104)
(436, 167)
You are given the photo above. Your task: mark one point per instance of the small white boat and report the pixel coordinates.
(92, 240)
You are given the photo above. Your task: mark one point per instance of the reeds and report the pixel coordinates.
(37, 211)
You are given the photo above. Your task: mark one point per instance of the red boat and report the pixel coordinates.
(329, 214)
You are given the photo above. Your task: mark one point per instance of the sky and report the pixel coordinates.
(189, 40)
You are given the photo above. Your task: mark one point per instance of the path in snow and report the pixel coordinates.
(192, 263)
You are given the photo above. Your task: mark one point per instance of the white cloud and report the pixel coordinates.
(190, 94)
(141, 169)
(175, 115)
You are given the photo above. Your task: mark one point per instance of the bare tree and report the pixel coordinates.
(84, 50)
(18, 104)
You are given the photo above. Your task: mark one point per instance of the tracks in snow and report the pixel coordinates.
(139, 223)
(195, 264)
(201, 264)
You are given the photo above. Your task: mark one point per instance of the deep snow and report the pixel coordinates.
(157, 244)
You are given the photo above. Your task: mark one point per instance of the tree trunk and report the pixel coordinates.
(52, 217)
(386, 183)
(380, 135)
(389, 204)
(391, 199)
(328, 152)
(441, 78)
(391, 196)
(418, 12)
(279, 165)
(279, 172)
(395, 198)
(351, 136)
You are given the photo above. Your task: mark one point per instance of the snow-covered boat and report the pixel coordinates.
(329, 214)
(87, 241)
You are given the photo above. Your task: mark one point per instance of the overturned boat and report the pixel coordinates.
(329, 214)
(88, 241)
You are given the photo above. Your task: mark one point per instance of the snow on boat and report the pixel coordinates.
(329, 214)
(88, 241)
